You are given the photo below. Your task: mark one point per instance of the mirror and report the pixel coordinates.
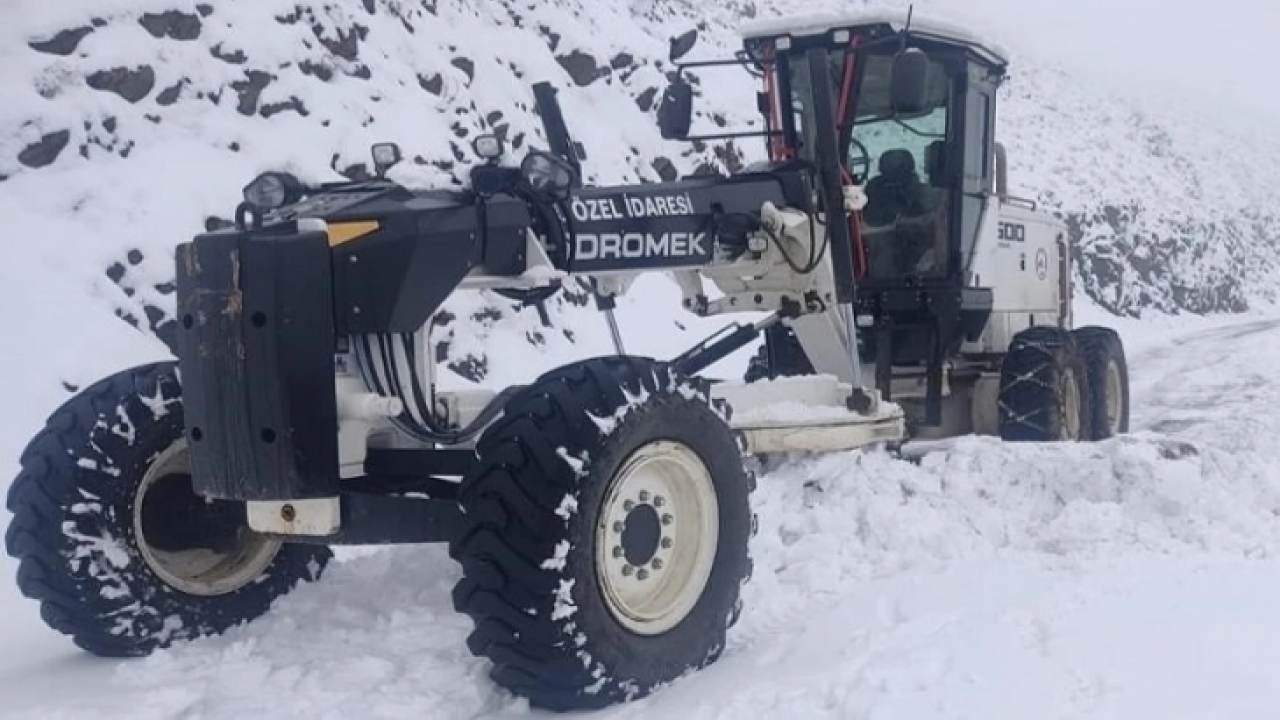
(682, 44)
(385, 156)
(675, 115)
(910, 83)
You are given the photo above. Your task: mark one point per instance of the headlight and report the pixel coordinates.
(547, 174)
(273, 190)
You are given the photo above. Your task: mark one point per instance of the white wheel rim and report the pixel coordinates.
(651, 584)
(1071, 411)
(1113, 397)
(198, 571)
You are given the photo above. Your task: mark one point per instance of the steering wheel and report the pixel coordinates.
(862, 161)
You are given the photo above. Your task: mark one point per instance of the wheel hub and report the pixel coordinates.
(657, 536)
(642, 535)
(194, 545)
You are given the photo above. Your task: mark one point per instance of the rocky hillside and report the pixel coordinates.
(130, 124)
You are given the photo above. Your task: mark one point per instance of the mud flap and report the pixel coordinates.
(256, 343)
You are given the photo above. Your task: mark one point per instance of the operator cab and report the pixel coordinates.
(912, 122)
(923, 157)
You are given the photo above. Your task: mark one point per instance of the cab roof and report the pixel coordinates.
(821, 23)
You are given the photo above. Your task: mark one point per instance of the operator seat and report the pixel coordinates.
(897, 216)
(897, 190)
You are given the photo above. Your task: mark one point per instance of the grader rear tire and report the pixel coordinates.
(1044, 388)
(1108, 380)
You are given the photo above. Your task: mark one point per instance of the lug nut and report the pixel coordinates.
(642, 575)
(644, 496)
(617, 551)
(667, 519)
(628, 506)
(659, 501)
(657, 564)
(666, 543)
(618, 527)
(627, 570)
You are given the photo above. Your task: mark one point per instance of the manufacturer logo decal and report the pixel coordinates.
(617, 246)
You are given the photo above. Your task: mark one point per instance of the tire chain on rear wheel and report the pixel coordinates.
(527, 498)
(1029, 404)
(72, 526)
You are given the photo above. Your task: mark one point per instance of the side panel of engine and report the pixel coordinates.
(393, 279)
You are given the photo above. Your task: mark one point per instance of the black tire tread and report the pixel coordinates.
(1098, 346)
(50, 481)
(512, 503)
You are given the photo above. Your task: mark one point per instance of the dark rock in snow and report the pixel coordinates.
(173, 24)
(645, 100)
(467, 66)
(64, 43)
(471, 367)
(582, 67)
(553, 38)
(665, 169)
(163, 329)
(236, 57)
(46, 151)
(132, 84)
(250, 90)
(318, 70)
(134, 257)
(293, 103)
(169, 95)
(204, 9)
(347, 44)
(433, 84)
(621, 60)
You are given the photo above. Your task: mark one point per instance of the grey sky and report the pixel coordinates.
(1203, 51)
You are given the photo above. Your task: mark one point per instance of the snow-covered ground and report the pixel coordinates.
(1132, 578)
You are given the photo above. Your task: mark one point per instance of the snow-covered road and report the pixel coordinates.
(1126, 579)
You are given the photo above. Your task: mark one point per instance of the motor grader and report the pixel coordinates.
(600, 514)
